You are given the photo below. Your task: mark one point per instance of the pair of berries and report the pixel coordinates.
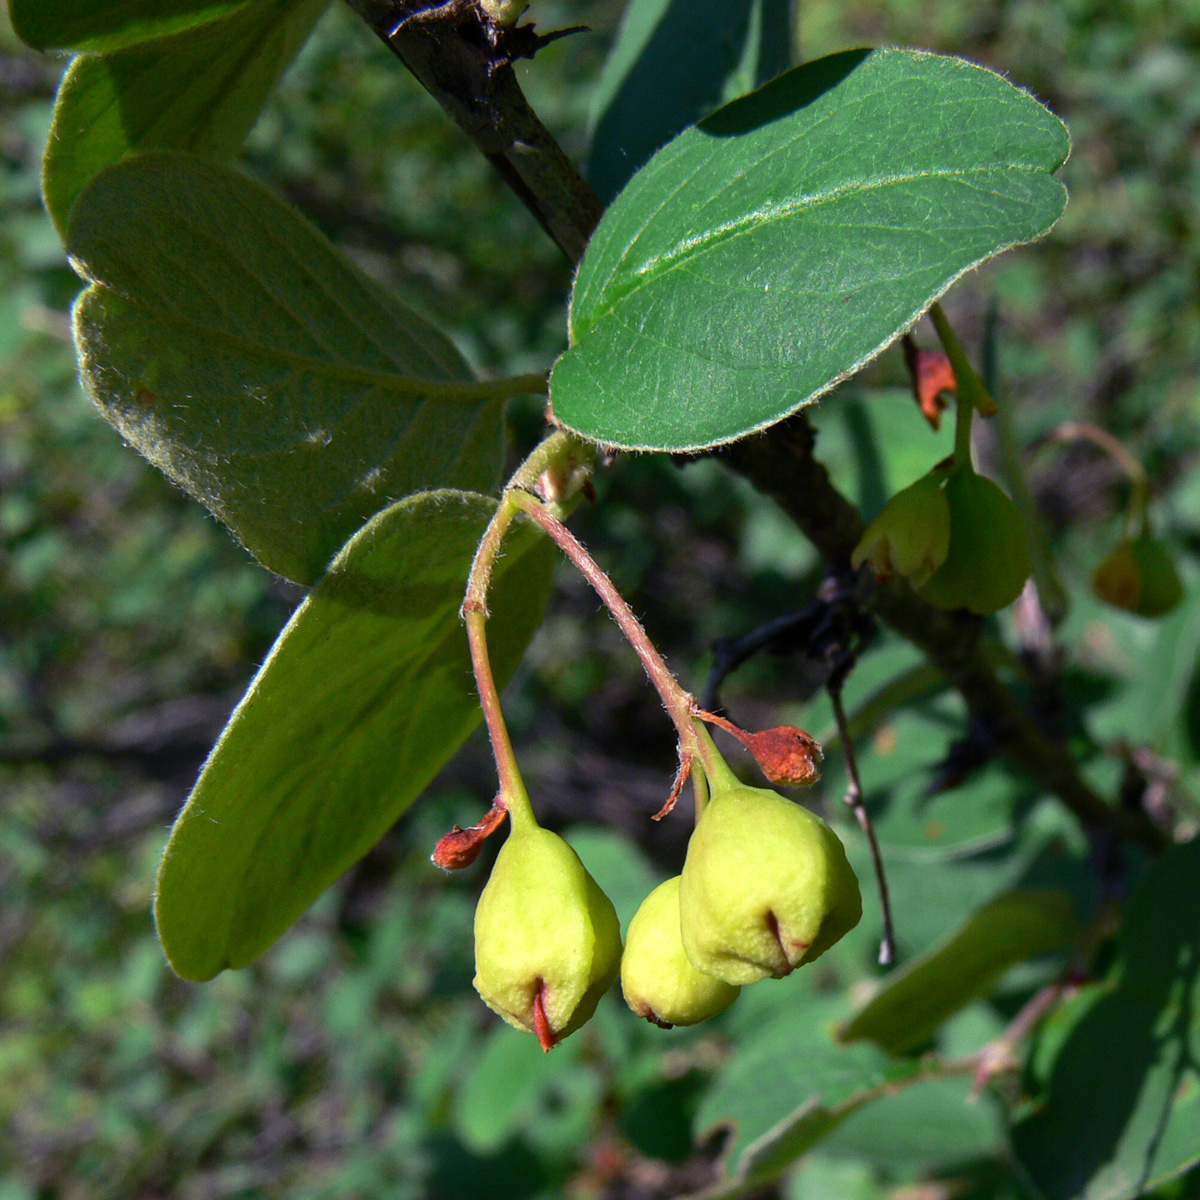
(961, 543)
(956, 536)
(766, 886)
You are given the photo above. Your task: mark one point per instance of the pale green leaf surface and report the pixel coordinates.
(512, 1087)
(789, 1089)
(914, 1002)
(242, 354)
(625, 875)
(365, 696)
(927, 1128)
(1119, 1106)
(672, 64)
(1157, 664)
(201, 90)
(110, 24)
(767, 253)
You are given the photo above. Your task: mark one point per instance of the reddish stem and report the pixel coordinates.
(679, 704)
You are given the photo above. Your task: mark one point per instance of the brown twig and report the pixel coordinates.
(781, 464)
(458, 61)
(854, 801)
(1000, 1054)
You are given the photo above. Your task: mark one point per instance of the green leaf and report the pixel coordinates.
(513, 1088)
(366, 694)
(923, 1129)
(915, 1001)
(790, 1088)
(1157, 663)
(201, 90)
(1119, 1107)
(242, 354)
(109, 24)
(618, 865)
(671, 65)
(766, 254)
(898, 766)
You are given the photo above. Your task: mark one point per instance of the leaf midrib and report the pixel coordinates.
(695, 247)
(405, 385)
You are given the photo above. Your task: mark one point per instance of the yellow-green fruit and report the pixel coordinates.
(766, 886)
(544, 926)
(1139, 576)
(503, 12)
(657, 978)
(911, 537)
(989, 557)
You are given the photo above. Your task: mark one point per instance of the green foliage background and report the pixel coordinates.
(354, 1060)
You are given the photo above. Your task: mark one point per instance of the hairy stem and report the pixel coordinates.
(561, 453)
(512, 788)
(964, 413)
(680, 705)
(968, 385)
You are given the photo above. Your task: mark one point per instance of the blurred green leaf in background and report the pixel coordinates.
(353, 1059)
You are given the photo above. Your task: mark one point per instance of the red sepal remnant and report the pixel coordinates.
(787, 756)
(681, 777)
(460, 847)
(932, 376)
(546, 1036)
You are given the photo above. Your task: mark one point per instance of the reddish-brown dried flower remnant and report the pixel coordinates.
(460, 847)
(932, 377)
(787, 756)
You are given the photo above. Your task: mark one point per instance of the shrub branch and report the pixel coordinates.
(472, 78)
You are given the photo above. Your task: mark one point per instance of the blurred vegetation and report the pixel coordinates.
(354, 1060)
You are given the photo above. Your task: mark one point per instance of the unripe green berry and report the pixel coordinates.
(503, 12)
(545, 935)
(911, 536)
(989, 557)
(657, 978)
(766, 886)
(1139, 576)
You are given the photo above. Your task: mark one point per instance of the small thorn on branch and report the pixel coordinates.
(854, 801)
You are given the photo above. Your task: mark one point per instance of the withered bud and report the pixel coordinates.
(932, 377)
(787, 756)
(460, 847)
